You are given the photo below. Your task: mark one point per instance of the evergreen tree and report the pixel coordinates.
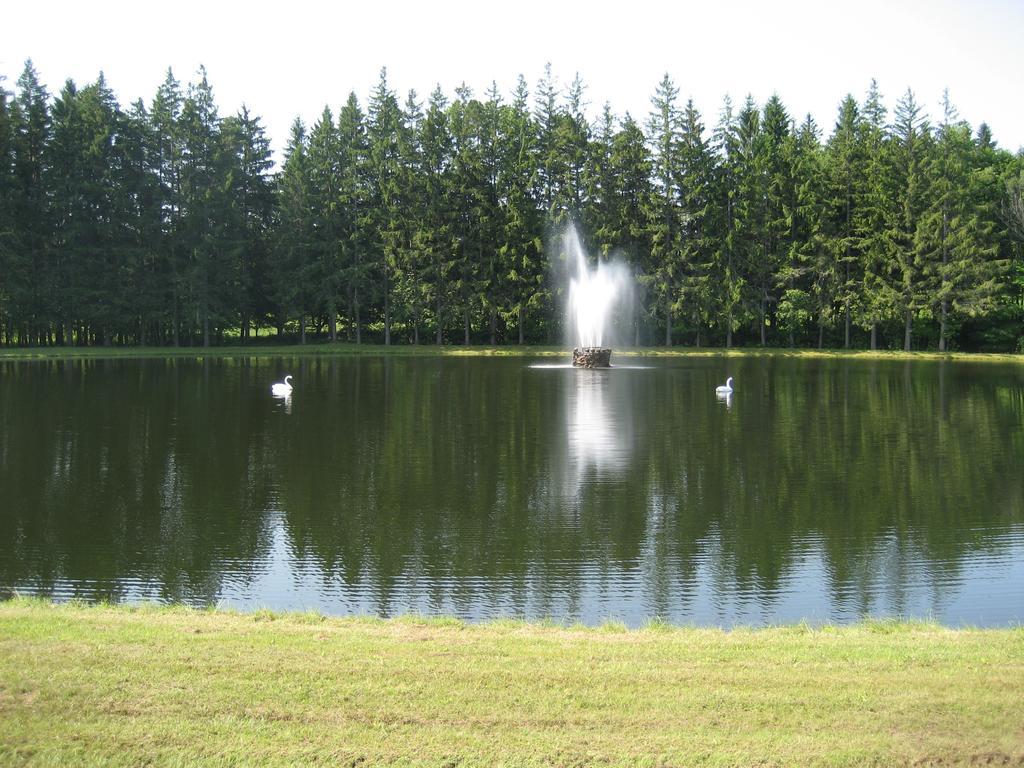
(252, 204)
(808, 277)
(435, 237)
(878, 299)
(7, 221)
(957, 249)
(521, 250)
(385, 194)
(413, 289)
(550, 164)
(909, 149)
(82, 172)
(772, 164)
(664, 277)
(695, 182)
(841, 277)
(572, 144)
(492, 283)
(631, 199)
(728, 273)
(212, 285)
(138, 208)
(355, 214)
(748, 213)
(30, 279)
(599, 185)
(293, 236)
(322, 270)
(165, 124)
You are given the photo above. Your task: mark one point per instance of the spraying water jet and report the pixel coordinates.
(593, 293)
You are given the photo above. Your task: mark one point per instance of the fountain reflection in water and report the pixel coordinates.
(594, 294)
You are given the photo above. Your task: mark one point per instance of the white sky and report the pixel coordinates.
(289, 59)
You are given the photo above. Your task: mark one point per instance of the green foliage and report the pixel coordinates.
(169, 225)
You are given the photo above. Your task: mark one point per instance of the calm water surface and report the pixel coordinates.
(823, 490)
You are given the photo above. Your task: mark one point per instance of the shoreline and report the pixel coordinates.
(328, 349)
(124, 685)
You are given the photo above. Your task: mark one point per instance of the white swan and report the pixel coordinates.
(724, 389)
(282, 389)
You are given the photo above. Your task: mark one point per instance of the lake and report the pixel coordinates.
(823, 489)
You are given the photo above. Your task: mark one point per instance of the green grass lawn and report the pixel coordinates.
(171, 686)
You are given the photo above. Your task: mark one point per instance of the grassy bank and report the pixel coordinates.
(343, 349)
(124, 686)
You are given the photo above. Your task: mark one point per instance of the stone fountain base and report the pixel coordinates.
(592, 357)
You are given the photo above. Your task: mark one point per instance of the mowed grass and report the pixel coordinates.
(171, 686)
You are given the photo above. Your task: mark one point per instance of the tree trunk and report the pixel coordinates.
(494, 326)
(874, 336)
(359, 320)
(522, 322)
(302, 329)
(846, 324)
(437, 319)
(332, 322)
(942, 327)
(668, 327)
(821, 334)
(906, 332)
(945, 260)
(387, 319)
(465, 326)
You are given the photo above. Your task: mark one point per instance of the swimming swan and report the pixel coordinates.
(282, 389)
(724, 389)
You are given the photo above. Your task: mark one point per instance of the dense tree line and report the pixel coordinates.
(402, 221)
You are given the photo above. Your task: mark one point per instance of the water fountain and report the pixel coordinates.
(593, 294)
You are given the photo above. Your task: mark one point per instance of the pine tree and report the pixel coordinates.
(165, 123)
(728, 272)
(846, 183)
(292, 238)
(7, 221)
(323, 268)
(878, 296)
(413, 289)
(385, 193)
(550, 164)
(958, 251)
(435, 236)
(633, 192)
(696, 179)
(138, 208)
(83, 172)
(492, 284)
(31, 277)
(663, 279)
(354, 209)
(252, 204)
(772, 165)
(521, 250)
(808, 277)
(910, 143)
(211, 280)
